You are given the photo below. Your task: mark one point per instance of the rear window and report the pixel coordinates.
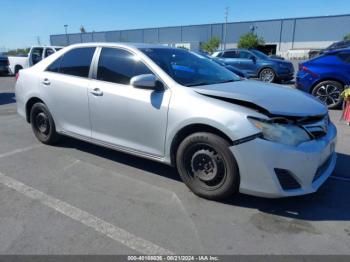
(55, 66)
(75, 62)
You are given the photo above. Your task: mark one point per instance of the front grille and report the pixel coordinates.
(320, 171)
(286, 179)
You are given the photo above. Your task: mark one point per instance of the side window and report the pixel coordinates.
(77, 62)
(244, 55)
(37, 55)
(55, 66)
(49, 52)
(345, 57)
(230, 54)
(119, 66)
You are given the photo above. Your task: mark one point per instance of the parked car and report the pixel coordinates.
(4, 65)
(276, 57)
(337, 45)
(258, 65)
(170, 105)
(326, 76)
(233, 69)
(35, 55)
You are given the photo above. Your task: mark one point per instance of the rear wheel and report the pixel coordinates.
(207, 166)
(267, 75)
(329, 92)
(43, 125)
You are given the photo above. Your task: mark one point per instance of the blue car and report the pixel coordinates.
(326, 76)
(4, 65)
(257, 65)
(233, 69)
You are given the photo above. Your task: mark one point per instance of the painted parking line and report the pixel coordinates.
(20, 150)
(118, 234)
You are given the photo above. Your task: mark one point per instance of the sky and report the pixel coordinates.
(24, 21)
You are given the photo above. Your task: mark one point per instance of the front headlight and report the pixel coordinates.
(284, 133)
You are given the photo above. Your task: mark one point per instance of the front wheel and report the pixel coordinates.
(43, 125)
(267, 75)
(207, 166)
(329, 92)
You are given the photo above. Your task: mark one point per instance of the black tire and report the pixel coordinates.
(267, 75)
(17, 68)
(43, 125)
(207, 166)
(329, 92)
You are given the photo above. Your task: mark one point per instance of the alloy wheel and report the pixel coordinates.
(329, 94)
(267, 75)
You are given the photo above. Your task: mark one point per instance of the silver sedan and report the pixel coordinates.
(223, 133)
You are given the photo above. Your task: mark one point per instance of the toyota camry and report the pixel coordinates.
(224, 134)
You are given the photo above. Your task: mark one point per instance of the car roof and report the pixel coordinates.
(238, 49)
(334, 51)
(121, 44)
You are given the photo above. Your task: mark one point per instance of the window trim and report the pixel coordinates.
(96, 60)
(62, 56)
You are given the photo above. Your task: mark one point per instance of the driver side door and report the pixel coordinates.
(247, 62)
(129, 118)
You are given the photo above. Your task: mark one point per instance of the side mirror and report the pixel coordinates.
(147, 81)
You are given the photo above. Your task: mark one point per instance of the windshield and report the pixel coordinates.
(189, 69)
(259, 54)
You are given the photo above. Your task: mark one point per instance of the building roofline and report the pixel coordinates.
(210, 24)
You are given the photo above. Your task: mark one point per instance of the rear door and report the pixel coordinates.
(65, 84)
(344, 56)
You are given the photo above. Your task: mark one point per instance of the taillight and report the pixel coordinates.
(17, 76)
(307, 70)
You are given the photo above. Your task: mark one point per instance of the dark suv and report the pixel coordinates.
(257, 64)
(4, 65)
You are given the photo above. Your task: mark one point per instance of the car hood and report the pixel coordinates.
(274, 99)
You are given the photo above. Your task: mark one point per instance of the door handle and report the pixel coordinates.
(46, 82)
(96, 92)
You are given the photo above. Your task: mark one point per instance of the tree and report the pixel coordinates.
(18, 51)
(347, 37)
(211, 46)
(250, 41)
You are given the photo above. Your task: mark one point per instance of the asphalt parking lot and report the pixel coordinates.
(77, 198)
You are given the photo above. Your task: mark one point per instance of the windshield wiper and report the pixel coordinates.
(199, 84)
(206, 83)
(228, 81)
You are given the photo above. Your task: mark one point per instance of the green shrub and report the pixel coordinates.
(211, 46)
(250, 41)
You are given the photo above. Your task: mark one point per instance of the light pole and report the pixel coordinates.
(225, 29)
(66, 30)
